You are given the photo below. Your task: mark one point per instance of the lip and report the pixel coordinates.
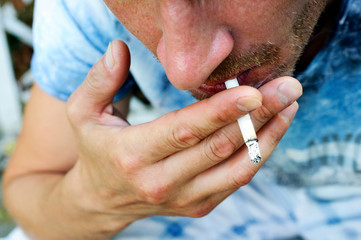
(220, 86)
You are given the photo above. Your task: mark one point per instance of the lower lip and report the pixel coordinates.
(211, 90)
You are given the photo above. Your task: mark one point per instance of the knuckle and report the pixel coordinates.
(155, 193)
(127, 165)
(95, 82)
(243, 179)
(220, 114)
(72, 110)
(219, 146)
(221, 117)
(182, 137)
(201, 210)
(127, 161)
(263, 115)
(181, 204)
(92, 80)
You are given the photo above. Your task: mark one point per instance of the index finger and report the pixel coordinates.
(186, 127)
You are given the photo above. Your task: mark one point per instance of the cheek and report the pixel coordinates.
(260, 21)
(139, 18)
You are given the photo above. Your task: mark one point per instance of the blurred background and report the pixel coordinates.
(15, 80)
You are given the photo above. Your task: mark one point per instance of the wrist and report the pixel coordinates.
(94, 204)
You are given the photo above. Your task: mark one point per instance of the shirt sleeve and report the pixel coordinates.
(69, 38)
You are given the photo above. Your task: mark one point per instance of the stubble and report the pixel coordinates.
(268, 53)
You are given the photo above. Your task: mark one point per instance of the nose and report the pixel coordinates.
(194, 41)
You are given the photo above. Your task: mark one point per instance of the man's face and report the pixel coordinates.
(203, 43)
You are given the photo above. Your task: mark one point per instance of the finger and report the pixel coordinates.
(239, 170)
(277, 95)
(186, 127)
(224, 142)
(96, 93)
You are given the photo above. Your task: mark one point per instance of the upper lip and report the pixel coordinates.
(237, 75)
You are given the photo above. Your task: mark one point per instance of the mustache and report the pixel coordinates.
(261, 54)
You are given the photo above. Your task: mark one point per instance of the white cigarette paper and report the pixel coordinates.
(247, 129)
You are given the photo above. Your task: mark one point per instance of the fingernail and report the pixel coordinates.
(247, 104)
(289, 113)
(289, 91)
(109, 60)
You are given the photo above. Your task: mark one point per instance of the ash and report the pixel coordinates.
(253, 151)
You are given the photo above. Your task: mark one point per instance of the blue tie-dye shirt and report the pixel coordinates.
(324, 141)
(311, 186)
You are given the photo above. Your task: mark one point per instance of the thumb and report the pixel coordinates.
(97, 92)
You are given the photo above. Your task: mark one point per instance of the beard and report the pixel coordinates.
(268, 61)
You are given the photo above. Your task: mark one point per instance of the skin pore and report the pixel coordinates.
(202, 44)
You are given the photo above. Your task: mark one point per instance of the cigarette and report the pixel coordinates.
(247, 129)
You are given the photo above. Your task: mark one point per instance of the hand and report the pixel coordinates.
(184, 163)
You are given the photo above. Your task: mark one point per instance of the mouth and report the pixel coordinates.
(215, 87)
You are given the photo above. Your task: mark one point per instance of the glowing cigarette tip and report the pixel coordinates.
(247, 129)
